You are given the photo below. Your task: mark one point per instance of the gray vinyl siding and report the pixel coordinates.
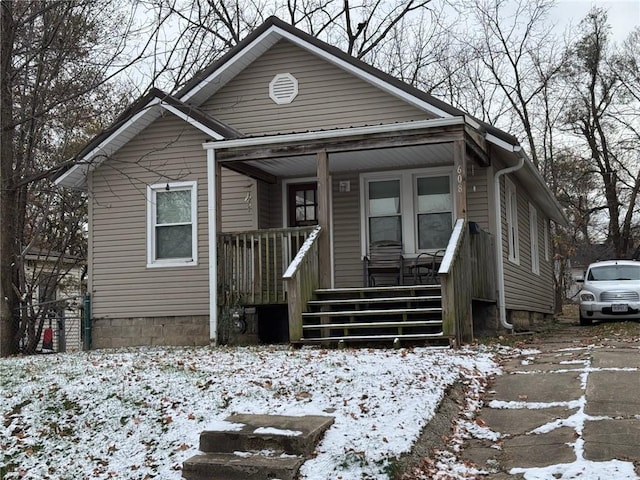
(270, 205)
(525, 290)
(328, 97)
(121, 284)
(240, 202)
(478, 195)
(346, 232)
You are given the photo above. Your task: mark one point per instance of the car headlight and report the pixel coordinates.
(587, 297)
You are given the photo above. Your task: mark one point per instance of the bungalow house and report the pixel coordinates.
(290, 192)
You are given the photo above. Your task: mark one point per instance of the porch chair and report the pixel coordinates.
(384, 260)
(426, 266)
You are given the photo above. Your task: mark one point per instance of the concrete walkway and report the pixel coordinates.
(566, 408)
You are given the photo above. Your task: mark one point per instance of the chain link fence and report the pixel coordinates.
(51, 327)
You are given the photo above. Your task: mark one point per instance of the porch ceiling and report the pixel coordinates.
(356, 160)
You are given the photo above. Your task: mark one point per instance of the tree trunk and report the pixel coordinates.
(8, 200)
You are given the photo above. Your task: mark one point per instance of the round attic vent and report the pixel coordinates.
(283, 88)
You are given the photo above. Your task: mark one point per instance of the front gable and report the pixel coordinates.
(328, 97)
(337, 94)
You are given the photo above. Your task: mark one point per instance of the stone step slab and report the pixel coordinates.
(229, 466)
(279, 433)
(256, 447)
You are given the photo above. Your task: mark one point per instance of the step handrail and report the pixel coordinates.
(302, 279)
(456, 287)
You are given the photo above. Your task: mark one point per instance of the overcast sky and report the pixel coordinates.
(624, 15)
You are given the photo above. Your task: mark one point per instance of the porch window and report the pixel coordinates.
(384, 211)
(171, 219)
(414, 207)
(433, 205)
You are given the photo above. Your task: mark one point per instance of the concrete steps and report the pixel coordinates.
(262, 447)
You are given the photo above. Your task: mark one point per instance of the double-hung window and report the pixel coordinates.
(412, 206)
(434, 216)
(172, 224)
(385, 221)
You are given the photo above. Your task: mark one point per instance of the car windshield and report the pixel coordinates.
(614, 272)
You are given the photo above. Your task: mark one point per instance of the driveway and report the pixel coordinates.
(567, 406)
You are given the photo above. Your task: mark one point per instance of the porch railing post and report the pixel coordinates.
(456, 286)
(302, 279)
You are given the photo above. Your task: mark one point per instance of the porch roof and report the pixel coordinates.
(367, 149)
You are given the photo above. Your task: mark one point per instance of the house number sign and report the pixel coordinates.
(459, 171)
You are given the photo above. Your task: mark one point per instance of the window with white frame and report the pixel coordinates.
(408, 206)
(172, 224)
(384, 210)
(533, 233)
(512, 221)
(433, 208)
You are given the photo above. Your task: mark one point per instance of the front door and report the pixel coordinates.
(303, 210)
(303, 204)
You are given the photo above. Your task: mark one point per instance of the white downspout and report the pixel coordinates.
(213, 246)
(502, 309)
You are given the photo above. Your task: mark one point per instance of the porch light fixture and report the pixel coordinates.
(283, 88)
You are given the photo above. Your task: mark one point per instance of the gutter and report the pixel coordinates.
(502, 309)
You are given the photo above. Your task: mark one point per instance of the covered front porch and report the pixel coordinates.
(318, 271)
(259, 268)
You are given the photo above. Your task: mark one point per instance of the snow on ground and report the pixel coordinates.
(137, 413)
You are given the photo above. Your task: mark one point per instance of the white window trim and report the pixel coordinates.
(408, 201)
(387, 176)
(534, 239)
(546, 240)
(416, 212)
(513, 240)
(152, 262)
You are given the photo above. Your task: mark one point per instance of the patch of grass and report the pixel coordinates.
(628, 329)
(392, 468)
(352, 457)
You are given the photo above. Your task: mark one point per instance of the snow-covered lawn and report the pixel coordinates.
(137, 414)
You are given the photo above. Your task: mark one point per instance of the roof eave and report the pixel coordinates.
(106, 145)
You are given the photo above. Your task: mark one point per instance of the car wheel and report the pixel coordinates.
(585, 321)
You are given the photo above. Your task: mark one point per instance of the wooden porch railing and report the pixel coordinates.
(466, 273)
(302, 279)
(251, 264)
(483, 271)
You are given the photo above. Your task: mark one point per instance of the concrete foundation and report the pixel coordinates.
(129, 332)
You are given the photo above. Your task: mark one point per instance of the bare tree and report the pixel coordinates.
(515, 45)
(596, 117)
(373, 31)
(57, 58)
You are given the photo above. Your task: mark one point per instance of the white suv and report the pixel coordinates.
(610, 290)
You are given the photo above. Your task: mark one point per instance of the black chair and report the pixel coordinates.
(384, 260)
(425, 267)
